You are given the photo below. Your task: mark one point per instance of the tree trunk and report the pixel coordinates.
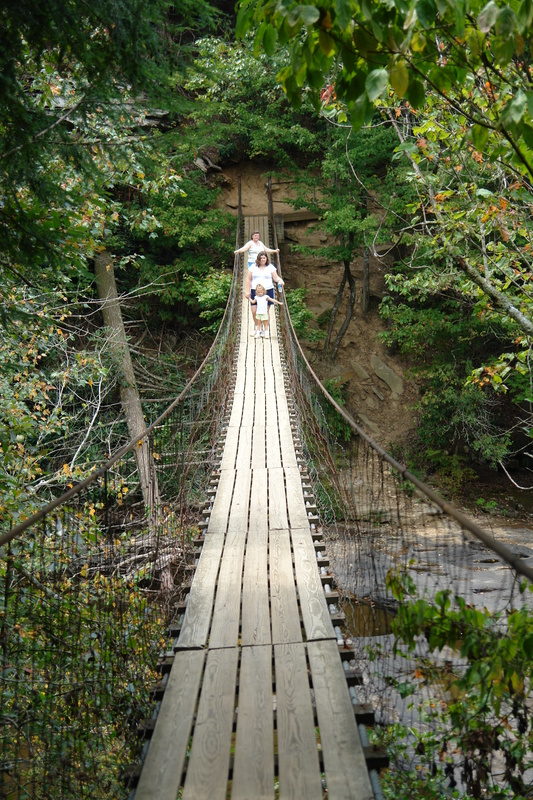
(129, 394)
(366, 281)
(349, 312)
(333, 315)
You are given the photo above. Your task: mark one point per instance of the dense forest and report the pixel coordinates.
(401, 126)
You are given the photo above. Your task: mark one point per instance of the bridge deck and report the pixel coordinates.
(257, 705)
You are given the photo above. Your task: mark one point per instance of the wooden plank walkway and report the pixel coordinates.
(257, 705)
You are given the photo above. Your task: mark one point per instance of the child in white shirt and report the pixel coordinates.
(262, 301)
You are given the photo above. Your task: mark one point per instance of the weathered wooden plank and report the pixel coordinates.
(283, 601)
(299, 770)
(313, 606)
(258, 446)
(230, 447)
(268, 363)
(227, 610)
(240, 385)
(277, 505)
(207, 771)
(255, 624)
(197, 618)
(218, 520)
(260, 393)
(288, 455)
(272, 442)
(297, 216)
(240, 505)
(236, 414)
(284, 422)
(344, 759)
(163, 766)
(253, 770)
(249, 402)
(277, 368)
(244, 449)
(295, 499)
(259, 501)
(259, 370)
(270, 390)
(241, 374)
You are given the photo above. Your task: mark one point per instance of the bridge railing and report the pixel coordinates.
(86, 586)
(437, 609)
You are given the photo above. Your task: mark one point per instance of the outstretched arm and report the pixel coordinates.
(268, 250)
(277, 302)
(243, 249)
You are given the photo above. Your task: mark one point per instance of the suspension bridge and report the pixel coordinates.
(257, 651)
(267, 688)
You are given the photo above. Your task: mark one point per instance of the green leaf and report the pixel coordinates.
(514, 110)
(352, 86)
(327, 44)
(525, 16)
(366, 8)
(376, 83)
(418, 42)
(480, 135)
(426, 11)
(259, 36)
(415, 93)
(378, 30)
(399, 79)
(364, 41)
(293, 18)
(361, 112)
(487, 17)
(529, 96)
(459, 15)
(244, 19)
(442, 77)
(348, 59)
(527, 645)
(527, 134)
(343, 10)
(315, 78)
(505, 22)
(269, 40)
(503, 49)
(309, 14)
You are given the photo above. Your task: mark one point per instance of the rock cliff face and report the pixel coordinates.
(377, 392)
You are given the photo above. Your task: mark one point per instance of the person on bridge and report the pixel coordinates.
(262, 272)
(262, 303)
(254, 247)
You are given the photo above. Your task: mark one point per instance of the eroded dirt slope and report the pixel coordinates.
(377, 389)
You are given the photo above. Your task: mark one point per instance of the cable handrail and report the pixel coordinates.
(21, 527)
(514, 561)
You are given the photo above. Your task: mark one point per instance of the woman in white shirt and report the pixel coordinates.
(264, 273)
(254, 247)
